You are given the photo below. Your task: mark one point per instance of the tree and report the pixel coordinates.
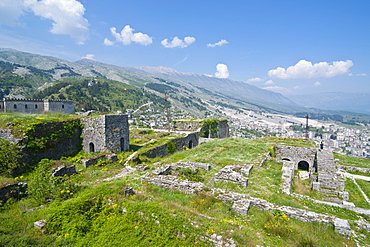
(209, 128)
(9, 154)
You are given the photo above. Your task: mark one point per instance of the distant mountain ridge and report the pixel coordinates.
(200, 89)
(353, 102)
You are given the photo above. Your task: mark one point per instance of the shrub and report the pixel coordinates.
(171, 147)
(8, 156)
(44, 188)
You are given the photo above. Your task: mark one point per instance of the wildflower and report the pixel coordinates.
(62, 191)
(71, 193)
(136, 227)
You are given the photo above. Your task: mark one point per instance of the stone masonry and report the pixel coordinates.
(108, 133)
(37, 106)
(320, 164)
(234, 174)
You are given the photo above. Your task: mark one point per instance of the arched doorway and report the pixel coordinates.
(190, 145)
(122, 142)
(91, 147)
(303, 165)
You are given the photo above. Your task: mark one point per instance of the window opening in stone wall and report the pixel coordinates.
(35, 106)
(122, 142)
(190, 145)
(15, 106)
(303, 165)
(62, 106)
(26, 106)
(91, 147)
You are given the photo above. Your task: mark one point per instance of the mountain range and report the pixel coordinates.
(192, 92)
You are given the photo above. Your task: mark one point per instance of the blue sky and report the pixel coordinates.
(291, 47)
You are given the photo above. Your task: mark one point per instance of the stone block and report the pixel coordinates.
(342, 227)
(316, 186)
(241, 206)
(344, 195)
(64, 171)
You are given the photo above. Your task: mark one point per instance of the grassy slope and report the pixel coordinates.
(96, 211)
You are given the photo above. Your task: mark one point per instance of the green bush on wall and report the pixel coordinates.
(171, 147)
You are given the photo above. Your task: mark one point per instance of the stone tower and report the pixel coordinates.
(108, 133)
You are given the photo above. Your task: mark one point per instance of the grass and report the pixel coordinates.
(21, 120)
(365, 186)
(99, 214)
(352, 161)
(355, 195)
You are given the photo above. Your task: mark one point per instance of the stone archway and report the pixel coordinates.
(303, 165)
(190, 145)
(91, 147)
(122, 143)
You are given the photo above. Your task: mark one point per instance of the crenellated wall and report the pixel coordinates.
(35, 106)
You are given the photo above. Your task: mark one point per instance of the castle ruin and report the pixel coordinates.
(36, 106)
(108, 133)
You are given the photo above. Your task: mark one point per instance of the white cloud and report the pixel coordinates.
(363, 74)
(67, 16)
(305, 69)
(317, 84)
(10, 11)
(278, 89)
(127, 36)
(176, 42)
(256, 79)
(219, 43)
(269, 82)
(108, 42)
(89, 56)
(222, 71)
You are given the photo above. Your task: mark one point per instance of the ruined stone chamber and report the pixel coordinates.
(320, 165)
(108, 133)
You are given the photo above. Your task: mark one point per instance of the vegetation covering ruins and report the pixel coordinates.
(115, 202)
(167, 189)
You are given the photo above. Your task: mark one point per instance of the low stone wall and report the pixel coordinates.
(6, 134)
(234, 174)
(243, 202)
(89, 162)
(16, 191)
(173, 183)
(189, 141)
(64, 171)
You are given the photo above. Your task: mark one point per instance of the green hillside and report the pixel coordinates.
(93, 208)
(100, 94)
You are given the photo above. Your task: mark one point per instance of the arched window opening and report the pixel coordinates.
(303, 165)
(91, 147)
(286, 159)
(122, 142)
(15, 106)
(190, 145)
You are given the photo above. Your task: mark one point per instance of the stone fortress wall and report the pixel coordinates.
(36, 106)
(195, 125)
